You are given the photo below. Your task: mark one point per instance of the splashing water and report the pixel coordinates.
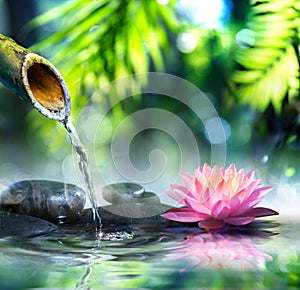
(85, 171)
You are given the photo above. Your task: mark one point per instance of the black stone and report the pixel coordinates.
(45, 199)
(128, 214)
(128, 193)
(130, 205)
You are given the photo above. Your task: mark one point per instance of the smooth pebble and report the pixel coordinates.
(50, 200)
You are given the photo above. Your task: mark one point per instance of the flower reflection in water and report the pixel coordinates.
(220, 251)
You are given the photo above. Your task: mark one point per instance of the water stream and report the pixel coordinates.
(83, 164)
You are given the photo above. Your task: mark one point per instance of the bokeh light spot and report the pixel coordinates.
(290, 171)
(245, 38)
(211, 13)
(163, 2)
(186, 42)
(213, 133)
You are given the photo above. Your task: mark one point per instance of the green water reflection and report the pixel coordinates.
(262, 255)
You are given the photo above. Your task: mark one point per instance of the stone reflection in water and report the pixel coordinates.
(18, 224)
(220, 251)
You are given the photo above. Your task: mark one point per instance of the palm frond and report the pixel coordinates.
(269, 67)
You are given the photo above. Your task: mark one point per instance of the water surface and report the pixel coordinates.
(259, 256)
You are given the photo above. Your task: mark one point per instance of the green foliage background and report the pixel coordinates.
(269, 55)
(249, 66)
(100, 41)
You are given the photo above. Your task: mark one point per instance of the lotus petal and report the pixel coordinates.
(217, 196)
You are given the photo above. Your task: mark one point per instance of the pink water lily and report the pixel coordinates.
(218, 196)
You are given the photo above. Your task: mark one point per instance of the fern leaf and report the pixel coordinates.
(269, 67)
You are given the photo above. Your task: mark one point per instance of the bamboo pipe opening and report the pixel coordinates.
(45, 87)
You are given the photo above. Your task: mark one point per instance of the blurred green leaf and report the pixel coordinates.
(269, 68)
(107, 39)
(99, 41)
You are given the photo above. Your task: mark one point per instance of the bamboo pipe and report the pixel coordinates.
(34, 79)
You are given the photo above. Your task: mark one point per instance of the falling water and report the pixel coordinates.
(85, 171)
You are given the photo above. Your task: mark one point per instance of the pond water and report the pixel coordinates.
(262, 255)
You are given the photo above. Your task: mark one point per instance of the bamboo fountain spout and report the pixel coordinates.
(34, 79)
